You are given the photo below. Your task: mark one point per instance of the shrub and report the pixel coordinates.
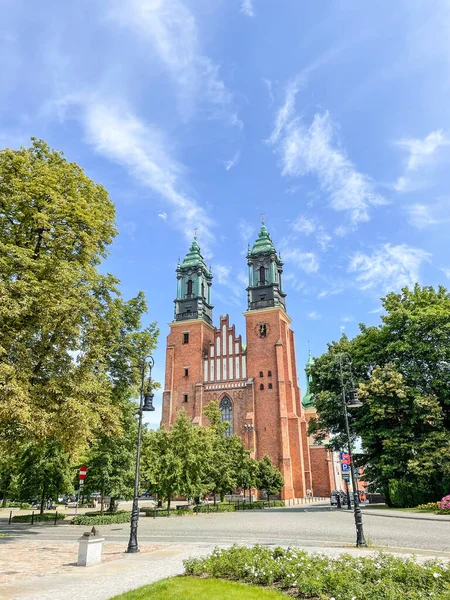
(163, 512)
(303, 575)
(430, 507)
(209, 508)
(37, 517)
(105, 519)
(25, 505)
(444, 505)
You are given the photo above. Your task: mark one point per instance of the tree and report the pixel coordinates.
(44, 472)
(221, 453)
(55, 226)
(403, 371)
(269, 477)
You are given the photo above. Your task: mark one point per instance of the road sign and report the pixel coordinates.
(345, 468)
(345, 458)
(82, 473)
(346, 477)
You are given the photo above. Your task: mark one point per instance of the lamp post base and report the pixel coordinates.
(133, 545)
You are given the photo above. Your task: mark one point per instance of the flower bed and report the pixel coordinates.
(314, 576)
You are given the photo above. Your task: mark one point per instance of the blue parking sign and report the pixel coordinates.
(345, 468)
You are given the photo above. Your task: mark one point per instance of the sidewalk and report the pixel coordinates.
(402, 514)
(128, 572)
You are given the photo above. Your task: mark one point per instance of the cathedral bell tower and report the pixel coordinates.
(280, 425)
(194, 279)
(264, 274)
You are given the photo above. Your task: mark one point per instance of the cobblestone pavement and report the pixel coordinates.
(20, 561)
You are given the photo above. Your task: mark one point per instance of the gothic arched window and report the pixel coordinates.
(270, 386)
(226, 408)
(269, 373)
(189, 288)
(262, 275)
(203, 290)
(261, 387)
(261, 374)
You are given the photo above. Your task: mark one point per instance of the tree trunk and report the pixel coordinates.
(4, 501)
(102, 503)
(43, 498)
(112, 505)
(168, 502)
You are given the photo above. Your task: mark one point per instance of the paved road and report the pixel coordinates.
(315, 526)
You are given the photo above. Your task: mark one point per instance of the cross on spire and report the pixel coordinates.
(263, 218)
(195, 233)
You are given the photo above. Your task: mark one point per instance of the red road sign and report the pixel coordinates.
(82, 473)
(345, 458)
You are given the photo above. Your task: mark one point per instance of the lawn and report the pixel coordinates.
(192, 588)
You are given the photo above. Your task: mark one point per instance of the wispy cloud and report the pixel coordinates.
(306, 261)
(229, 164)
(246, 230)
(313, 316)
(446, 272)
(162, 215)
(334, 290)
(315, 149)
(170, 29)
(247, 8)
(347, 319)
(268, 84)
(142, 149)
(422, 153)
(389, 267)
(307, 226)
(422, 215)
(225, 277)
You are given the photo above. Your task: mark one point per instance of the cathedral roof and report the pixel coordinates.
(194, 258)
(263, 243)
(308, 400)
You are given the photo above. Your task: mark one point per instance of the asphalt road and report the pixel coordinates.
(312, 526)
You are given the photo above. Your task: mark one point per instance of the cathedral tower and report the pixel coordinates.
(191, 333)
(280, 425)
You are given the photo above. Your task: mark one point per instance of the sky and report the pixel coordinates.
(331, 118)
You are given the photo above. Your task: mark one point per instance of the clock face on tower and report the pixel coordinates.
(262, 330)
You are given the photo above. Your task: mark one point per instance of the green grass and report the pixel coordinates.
(192, 588)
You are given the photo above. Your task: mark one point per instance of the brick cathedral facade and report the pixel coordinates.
(257, 384)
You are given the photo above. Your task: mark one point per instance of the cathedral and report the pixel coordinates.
(255, 382)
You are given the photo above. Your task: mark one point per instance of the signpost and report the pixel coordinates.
(81, 477)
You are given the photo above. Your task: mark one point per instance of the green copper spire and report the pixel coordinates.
(194, 257)
(308, 398)
(263, 243)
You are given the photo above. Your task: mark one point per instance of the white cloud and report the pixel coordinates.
(268, 85)
(229, 164)
(342, 328)
(142, 150)
(446, 272)
(162, 215)
(306, 261)
(375, 311)
(389, 267)
(303, 224)
(315, 150)
(421, 153)
(333, 290)
(419, 215)
(236, 285)
(427, 215)
(246, 230)
(347, 319)
(313, 316)
(247, 8)
(293, 282)
(170, 29)
(323, 239)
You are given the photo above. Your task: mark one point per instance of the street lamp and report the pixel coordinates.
(145, 404)
(248, 427)
(353, 403)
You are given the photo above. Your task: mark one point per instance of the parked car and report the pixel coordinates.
(334, 498)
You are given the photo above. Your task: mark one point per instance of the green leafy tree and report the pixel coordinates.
(55, 226)
(44, 472)
(269, 477)
(402, 368)
(221, 453)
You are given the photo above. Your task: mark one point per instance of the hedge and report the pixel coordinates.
(45, 517)
(105, 519)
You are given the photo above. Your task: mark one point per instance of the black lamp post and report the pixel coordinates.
(353, 403)
(145, 404)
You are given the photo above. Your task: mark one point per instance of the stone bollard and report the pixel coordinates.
(90, 548)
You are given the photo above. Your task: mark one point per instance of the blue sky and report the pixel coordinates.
(330, 117)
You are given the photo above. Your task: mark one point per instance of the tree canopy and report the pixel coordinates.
(403, 371)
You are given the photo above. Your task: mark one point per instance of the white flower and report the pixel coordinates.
(436, 575)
